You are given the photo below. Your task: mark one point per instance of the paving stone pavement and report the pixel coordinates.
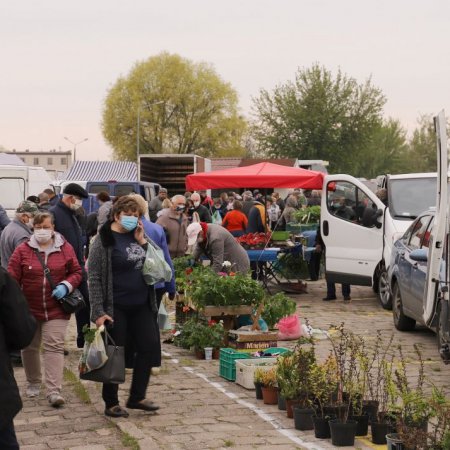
(201, 410)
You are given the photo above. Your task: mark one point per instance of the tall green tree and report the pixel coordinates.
(319, 116)
(181, 107)
(422, 146)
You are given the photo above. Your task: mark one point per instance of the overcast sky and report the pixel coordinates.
(59, 58)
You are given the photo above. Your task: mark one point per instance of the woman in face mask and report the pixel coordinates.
(122, 300)
(25, 266)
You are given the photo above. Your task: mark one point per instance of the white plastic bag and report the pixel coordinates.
(163, 318)
(155, 269)
(94, 353)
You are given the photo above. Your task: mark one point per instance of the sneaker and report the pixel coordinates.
(33, 390)
(328, 299)
(56, 400)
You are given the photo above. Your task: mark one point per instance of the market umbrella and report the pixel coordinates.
(262, 175)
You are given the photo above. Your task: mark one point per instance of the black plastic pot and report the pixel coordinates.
(362, 427)
(303, 418)
(336, 410)
(370, 407)
(321, 427)
(281, 402)
(343, 434)
(379, 432)
(258, 390)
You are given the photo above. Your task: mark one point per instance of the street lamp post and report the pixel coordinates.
(139, 127)
(75, 146)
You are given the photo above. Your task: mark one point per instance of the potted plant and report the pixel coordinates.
(286, 380)
(308, 218)
(439, 437)
(323, 385)
(258, 381)
(269, 387)
(345, 351)
(305, 359)
(276, 307)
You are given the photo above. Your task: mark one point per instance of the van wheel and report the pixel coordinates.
(401, 322)
(384, 290)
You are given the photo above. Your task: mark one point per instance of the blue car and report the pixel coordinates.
(408, 274)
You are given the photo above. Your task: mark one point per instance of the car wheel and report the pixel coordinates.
(401, 322)
(384, 290)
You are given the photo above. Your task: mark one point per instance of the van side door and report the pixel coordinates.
(353, 247)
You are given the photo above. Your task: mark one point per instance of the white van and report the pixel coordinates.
(19, 182)
(359, 254)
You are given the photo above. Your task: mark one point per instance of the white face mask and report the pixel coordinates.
(42, 236)
(78, 204)
(196, 204)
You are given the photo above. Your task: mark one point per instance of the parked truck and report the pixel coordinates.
(19, 182)
(170, 171)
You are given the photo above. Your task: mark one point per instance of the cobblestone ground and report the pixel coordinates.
(200, 410)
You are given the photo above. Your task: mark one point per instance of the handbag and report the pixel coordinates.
(71, 303)
(113, 371)
(155, 269)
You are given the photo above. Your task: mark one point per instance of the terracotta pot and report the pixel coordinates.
(199, 353)
(216, 353)
(270, 395)
(289, 405)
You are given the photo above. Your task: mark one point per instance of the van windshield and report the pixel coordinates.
(409, 197)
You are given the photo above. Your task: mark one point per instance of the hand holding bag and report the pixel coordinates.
(71, 303)
(113, 372)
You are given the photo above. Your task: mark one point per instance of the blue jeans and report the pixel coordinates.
(331, 290)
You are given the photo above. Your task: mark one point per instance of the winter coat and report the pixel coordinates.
(4, 219)
(156, 233)
(14, 234)
(175, 232)
(257, 219)
(203, 213)
(17, 328)
(103, 213)
(154, 207)
(67, 224)
(235, 220)
(25, 268)
(221, 246)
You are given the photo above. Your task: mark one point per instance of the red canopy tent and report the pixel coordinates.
(262, 175)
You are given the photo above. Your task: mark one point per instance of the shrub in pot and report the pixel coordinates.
(258, 382)
(276, 307)
(287, 380)
(269, 387)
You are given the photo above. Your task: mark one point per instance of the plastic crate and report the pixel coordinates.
(298, 228)
(276, 350)
(245, 370)
(227, 362)
(280, 235)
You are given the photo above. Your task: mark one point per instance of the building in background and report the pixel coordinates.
(55, 162)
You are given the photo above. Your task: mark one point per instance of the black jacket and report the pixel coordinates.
(17, 328)
(67, 224)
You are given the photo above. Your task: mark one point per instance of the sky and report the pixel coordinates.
(58, 59)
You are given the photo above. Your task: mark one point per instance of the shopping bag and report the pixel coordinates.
(216, 217)
(289, 328)
(163, 318)
(113, 371)
(96, 356)
(155, 269)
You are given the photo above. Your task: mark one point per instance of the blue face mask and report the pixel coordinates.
(129, 222)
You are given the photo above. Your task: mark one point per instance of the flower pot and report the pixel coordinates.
(362, 424)
(258, 390)
(289, 405)
(270, 396)
(199, 353)
(321, 427)
(303, 418)
(216, 353)
(208, 353)
(281, 402)
(370, 407)
(394, 442)
(379, 432)
(343, 434)
(336, 410)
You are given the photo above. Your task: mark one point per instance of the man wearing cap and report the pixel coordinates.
(17, 231)
(219, 245)
(67, 224)
(155, 204)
